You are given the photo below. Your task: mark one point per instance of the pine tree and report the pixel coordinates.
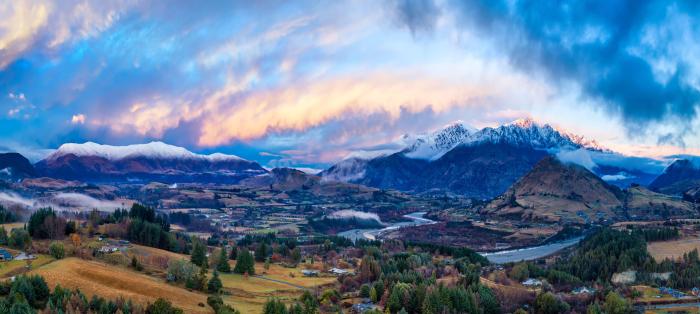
(214, 285)
(234, 253)
(244, 263)
(199, 254)
(223, 265)
(261, 252)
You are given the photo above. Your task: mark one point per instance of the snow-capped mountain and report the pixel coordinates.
(155, 161)
(521, 133)
(433, 146)
(155, 150)
(462, 160)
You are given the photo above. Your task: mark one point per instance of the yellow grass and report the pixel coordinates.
(649, 294)
(683, 309)
(147, 251)
(673, 249)
(12, 225)
(94, 277)
(14, 267)
(282, 273)
(248, 295)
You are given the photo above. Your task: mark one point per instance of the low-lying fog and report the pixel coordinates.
(61, 202)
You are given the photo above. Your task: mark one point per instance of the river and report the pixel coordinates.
(529, 253)
(416, 219)
(499, 257)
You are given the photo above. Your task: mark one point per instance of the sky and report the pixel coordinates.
(306, 83)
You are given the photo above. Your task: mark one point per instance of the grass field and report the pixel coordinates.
(292, 275)
(12, 268)
(248, 295)
(673, 249)
(649, 294)
(13, 225)
(94, 277)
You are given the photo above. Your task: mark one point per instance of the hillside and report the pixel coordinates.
(642, 203)
(554, 191)
(290, 180)
(679, 177)
(14, 165)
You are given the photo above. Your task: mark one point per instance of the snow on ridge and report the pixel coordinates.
(156, 150)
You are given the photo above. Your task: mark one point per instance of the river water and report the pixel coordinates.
(499, 257)
(416, 219)
(530, 253)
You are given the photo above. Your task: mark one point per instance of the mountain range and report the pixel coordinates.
(155, 161)
(459, 160)
(480, 163)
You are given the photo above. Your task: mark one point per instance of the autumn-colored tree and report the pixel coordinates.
(75, 239)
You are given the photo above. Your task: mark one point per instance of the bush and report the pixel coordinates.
(163, 306)
(181, 271)
(214, 285)
(57, 250)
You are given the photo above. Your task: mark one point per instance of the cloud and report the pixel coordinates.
(61, 202)
(635, 58)
(348, 213)
(418, 15)
(78, 119)
(27, 24)
(617, 177)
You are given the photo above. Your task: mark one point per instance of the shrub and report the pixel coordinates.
(57, 250)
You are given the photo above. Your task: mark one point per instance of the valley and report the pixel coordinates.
(215, 233)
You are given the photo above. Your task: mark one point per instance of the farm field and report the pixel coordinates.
(673, 249)
(108, 281)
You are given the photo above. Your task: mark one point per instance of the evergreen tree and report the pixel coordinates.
(3, 236)
(223, 265)
(261, 252)
(199, 254)
(234, 253)
(214, 285)
(244, 263)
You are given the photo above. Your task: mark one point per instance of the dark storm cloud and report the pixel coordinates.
(600, 45)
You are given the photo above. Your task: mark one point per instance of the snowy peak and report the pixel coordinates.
(433, 146)
(525, 132)
(522, 133)
(154, 150)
